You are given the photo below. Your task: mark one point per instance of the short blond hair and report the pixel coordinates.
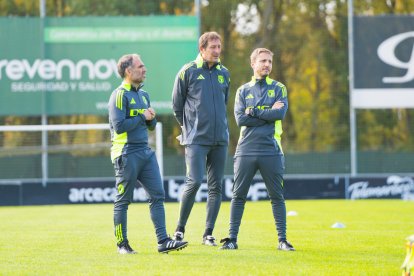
(256, 52)
(206, 37)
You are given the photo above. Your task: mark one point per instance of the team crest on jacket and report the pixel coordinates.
(220, 79)
(121, 188)
(271, 93)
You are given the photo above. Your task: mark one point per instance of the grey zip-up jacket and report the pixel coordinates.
(261, 129)
(199, 102)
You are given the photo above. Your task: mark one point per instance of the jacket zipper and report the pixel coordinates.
(214, 105)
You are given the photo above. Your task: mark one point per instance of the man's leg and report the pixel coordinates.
(125, 181)
(245, 168)
(150, 179)
(216, 161)
(195, 159)
(271, 168)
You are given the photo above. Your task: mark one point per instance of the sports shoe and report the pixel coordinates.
(171, 245)
(178, 236)
(125, 248)
(229, 244)
(209, 240)
(285, 246)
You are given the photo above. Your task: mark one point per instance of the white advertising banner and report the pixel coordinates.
(383, 62)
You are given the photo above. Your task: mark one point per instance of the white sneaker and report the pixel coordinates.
(178, 236)
(125, 248)
(209, 240)
(285, 246)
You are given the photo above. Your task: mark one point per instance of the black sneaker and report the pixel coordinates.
(285, 246)
(178, 236)
(209, 240)
(171, 245)
(125, 248)
(229, 244)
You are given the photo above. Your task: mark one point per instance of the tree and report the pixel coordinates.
(309, 40)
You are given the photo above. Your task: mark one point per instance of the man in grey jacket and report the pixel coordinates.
(199, 98)
(259, 108)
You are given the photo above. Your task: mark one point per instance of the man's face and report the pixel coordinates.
(212, 52)
(263, 65)
(136, 72)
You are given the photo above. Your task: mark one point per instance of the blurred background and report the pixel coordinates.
(310, 42)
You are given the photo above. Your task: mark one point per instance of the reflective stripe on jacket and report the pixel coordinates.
(129, 129)
(261, 130)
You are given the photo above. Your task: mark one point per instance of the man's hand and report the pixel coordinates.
(278, 105)
(149, 114)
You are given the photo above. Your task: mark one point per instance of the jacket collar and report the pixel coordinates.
(254, 81)
(201, 63)
(130, 87)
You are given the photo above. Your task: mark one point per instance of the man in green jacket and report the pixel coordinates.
(199, 98)
(130, 117)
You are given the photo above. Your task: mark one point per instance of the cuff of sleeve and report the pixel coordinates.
(252, 112)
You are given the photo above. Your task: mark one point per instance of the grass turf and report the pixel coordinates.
(78, 239)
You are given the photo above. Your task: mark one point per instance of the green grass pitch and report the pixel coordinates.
(78, 240)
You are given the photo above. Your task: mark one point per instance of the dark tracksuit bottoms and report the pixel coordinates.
(140, 165)
(198, 158)
(271, 168)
